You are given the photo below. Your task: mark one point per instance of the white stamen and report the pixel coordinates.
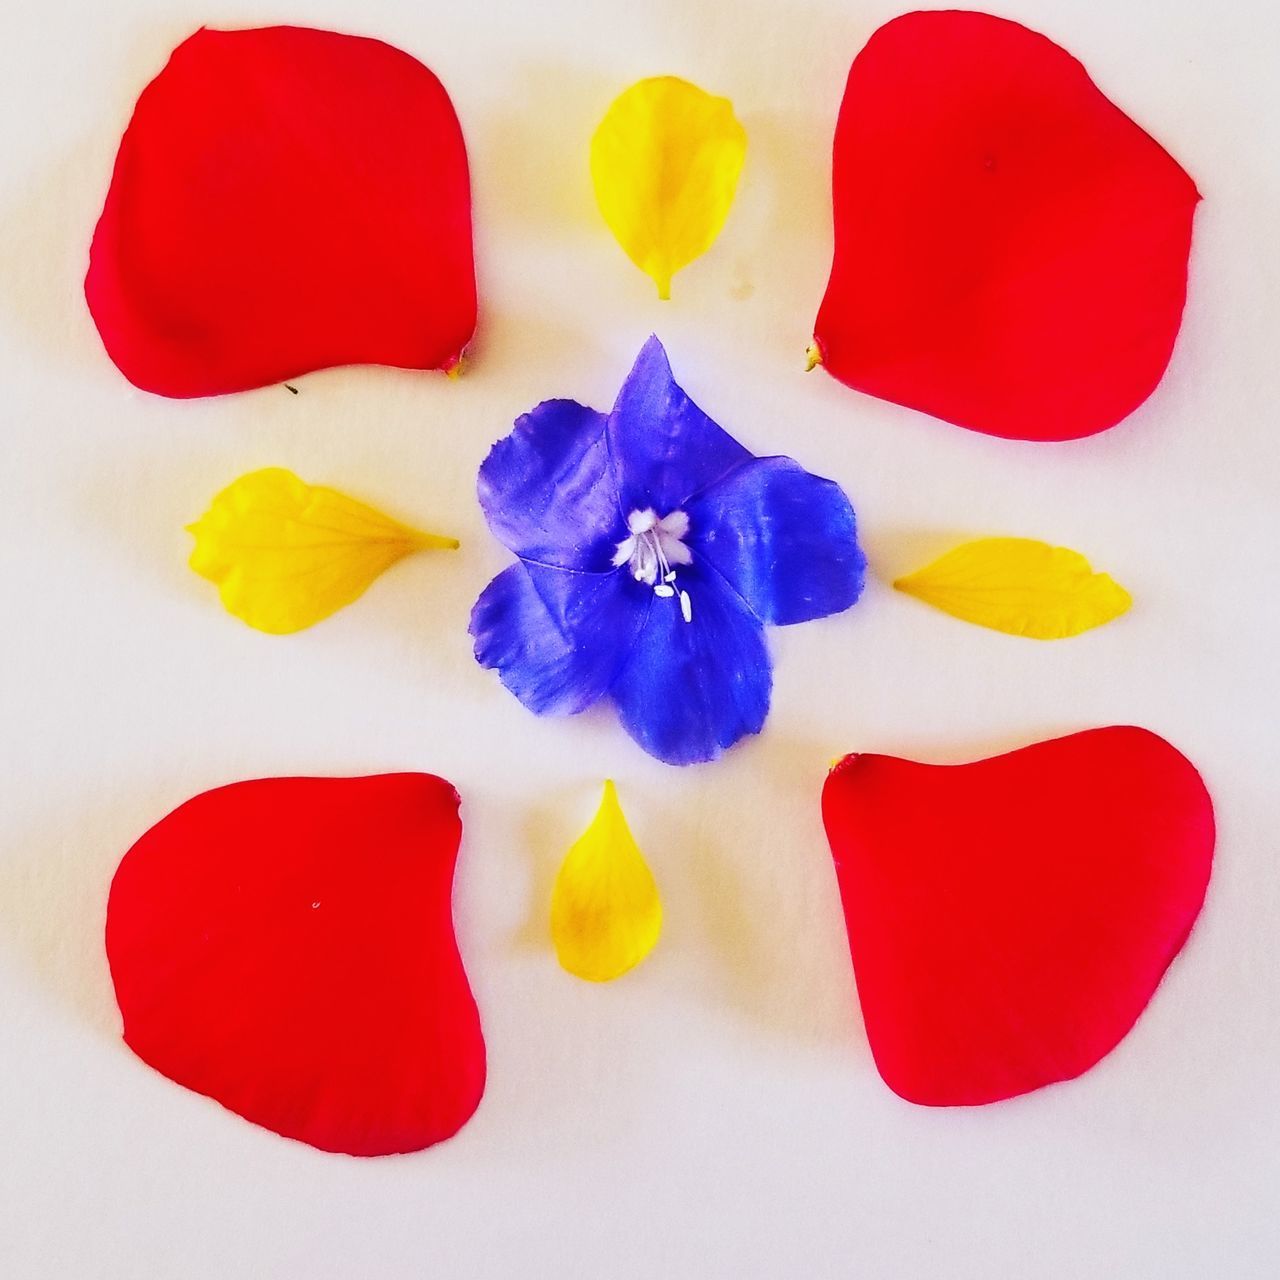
(676, 523)
(651, 550)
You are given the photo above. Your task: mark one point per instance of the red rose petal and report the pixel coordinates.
(286, 947)
(1010, 919)
(1011, 249)
(284, 200)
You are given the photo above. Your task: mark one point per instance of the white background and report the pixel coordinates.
(716, 1113)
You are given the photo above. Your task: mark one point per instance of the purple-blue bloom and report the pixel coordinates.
(653, 549)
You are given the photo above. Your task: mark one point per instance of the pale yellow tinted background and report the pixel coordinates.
(715, 1114)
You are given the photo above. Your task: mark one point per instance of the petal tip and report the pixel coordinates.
(434, 542)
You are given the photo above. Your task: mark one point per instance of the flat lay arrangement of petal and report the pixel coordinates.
(653, 548)
(284, 200)
(286, 947)
(1020, 586)
(1010, 919)
(1010, 248)
(285, 554)
(606, 913)
(1011, 255)
(665, 162)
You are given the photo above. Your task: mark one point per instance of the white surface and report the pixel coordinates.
(715, 1114)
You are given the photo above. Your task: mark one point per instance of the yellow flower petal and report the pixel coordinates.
(605, 911)
(1020, 586)
(285, 554)
(665, 162)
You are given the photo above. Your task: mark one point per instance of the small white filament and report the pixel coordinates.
(651, 549)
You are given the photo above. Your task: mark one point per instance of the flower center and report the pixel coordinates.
(652, 550)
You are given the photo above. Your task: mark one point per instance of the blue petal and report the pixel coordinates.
(557, 638)
(548, 489)
(785, 540)
(691, 689)
(665, 448)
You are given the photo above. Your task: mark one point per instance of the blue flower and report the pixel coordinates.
(653, 549)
